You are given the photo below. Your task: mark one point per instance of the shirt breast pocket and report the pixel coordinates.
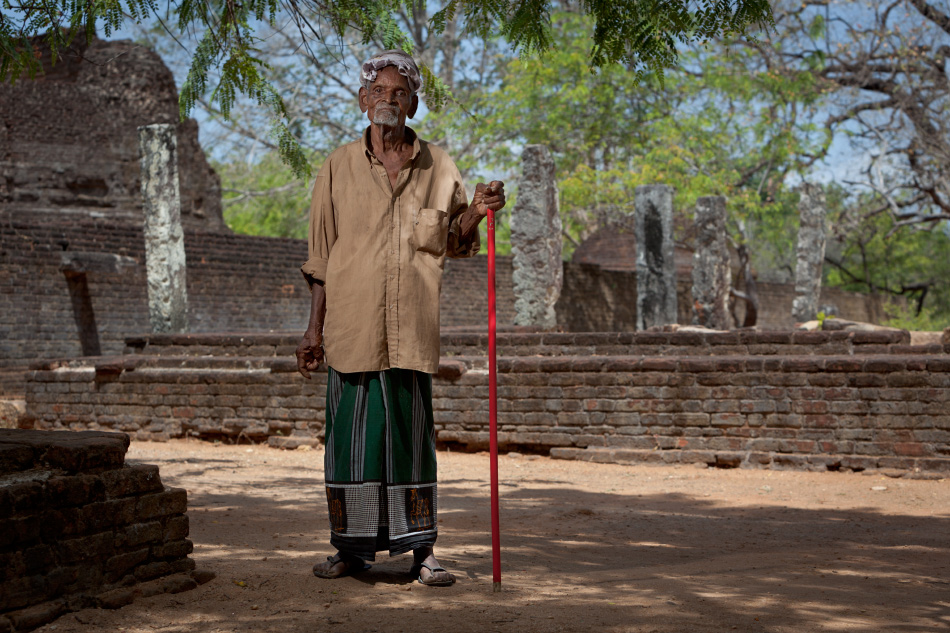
(430, 231)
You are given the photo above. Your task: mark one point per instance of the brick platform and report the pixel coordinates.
(817, 400)
(80, 529)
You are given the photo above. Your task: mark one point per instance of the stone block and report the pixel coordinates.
(36, 616)
(119, 565)
(93, 547)
(25, 497)
(139, 534)
(107, 514)
(14, 457)
(116, 598)
(152, 570)
(74, 490)
(182, 565)
(131, 480)
(171, 501)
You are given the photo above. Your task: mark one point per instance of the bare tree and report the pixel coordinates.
(879, 71)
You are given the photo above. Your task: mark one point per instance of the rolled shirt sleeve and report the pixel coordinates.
(322, 230)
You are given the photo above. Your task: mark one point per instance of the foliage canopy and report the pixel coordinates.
(640, 34)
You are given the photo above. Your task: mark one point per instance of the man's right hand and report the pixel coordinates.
(309, 353)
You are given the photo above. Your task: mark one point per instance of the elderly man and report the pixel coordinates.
(386, 211)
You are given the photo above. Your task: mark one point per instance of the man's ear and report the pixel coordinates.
(364, 100)
(413, 106)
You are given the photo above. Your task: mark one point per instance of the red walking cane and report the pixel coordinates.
(493, 409)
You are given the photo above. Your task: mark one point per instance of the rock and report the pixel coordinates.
(292, 442)
(11, 411)
(450, 369)
(178, 583)
(36, 616)
(116, 598)
(537, 269)
(202, 576)
(844, 325)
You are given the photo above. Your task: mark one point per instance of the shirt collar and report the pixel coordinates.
(410, 134)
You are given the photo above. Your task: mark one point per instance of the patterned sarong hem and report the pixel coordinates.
(380, 462)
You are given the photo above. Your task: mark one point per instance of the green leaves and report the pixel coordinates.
(641, 34)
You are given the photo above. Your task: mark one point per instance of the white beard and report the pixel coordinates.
(386, 117)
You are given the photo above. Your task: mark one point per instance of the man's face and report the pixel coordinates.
(389, 100)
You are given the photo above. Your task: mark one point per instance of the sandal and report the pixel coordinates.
(416, 570)
(354, 565)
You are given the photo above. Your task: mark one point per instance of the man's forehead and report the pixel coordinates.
(390, 75)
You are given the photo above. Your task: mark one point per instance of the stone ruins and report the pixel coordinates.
(536, 272)
(592, 365)
(811, 252)
(164, 239)
(711, 274)
(656, 270)
(611, 380)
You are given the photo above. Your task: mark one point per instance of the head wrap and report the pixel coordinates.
(403, 63)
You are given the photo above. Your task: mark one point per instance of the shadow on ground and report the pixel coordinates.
(575, 559)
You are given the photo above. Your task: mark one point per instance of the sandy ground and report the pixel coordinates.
(643, 549)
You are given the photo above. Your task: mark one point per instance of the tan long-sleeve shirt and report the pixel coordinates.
(380, 252)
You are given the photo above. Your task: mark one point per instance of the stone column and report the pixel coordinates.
(164, 239)
(811, 252)
(711, 279)
(656, 271)
(537, 269)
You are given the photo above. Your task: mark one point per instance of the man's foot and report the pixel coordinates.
(338, 566)
(429, 572)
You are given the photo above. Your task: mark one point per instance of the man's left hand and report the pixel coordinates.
(490, 196)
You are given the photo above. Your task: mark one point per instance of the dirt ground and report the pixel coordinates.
(633, 549)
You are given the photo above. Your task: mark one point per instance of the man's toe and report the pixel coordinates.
(437, 576)
(332, 568)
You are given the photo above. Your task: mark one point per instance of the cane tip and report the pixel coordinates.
(496, 587)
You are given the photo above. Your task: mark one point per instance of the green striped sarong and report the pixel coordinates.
(380, 462)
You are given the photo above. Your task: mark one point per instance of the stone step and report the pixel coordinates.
(909, 467)
(517, 342)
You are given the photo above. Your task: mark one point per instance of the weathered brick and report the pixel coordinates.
(171, 501)
(119, 565)
(95, 547)
(726, 419)
(25, 497)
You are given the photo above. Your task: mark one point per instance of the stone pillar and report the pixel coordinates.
(164, 239)
(656, 271)
(711, 278)
(537, 269)
(811, 252)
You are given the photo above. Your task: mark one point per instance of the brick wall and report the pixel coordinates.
(823, 400)
(235, 283)
(242, 283)
(79, 529)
